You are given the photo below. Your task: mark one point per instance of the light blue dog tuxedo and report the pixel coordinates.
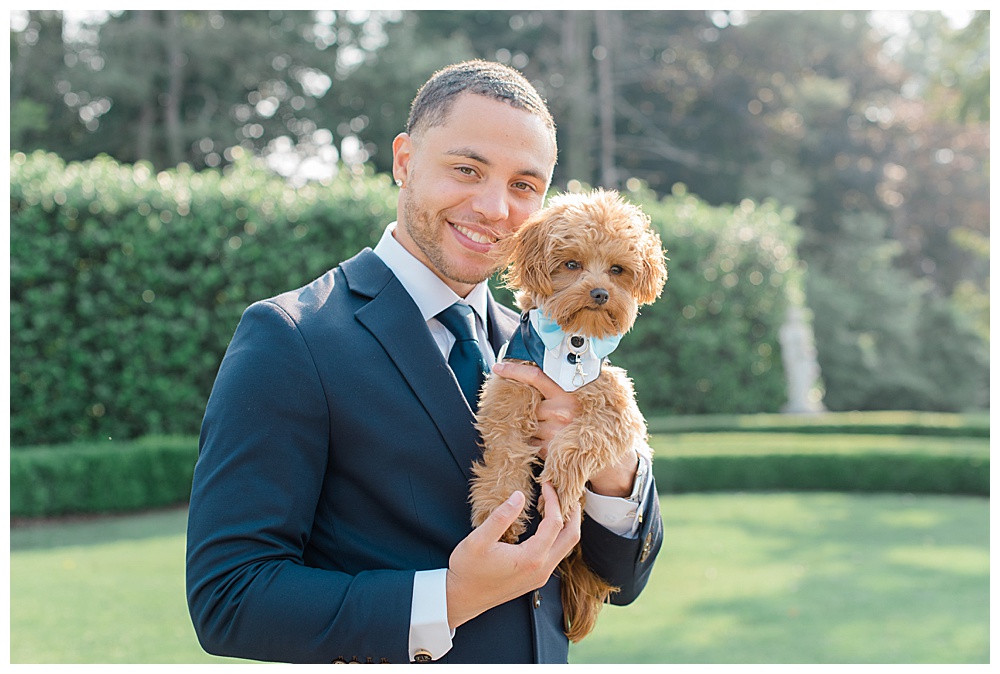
(570, 360)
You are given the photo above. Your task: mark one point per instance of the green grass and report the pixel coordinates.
(108, 590)
(747, 578)
(817, 578)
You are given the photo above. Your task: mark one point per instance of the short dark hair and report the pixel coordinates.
(433, 101)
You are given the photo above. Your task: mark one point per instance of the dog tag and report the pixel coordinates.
(577, 346)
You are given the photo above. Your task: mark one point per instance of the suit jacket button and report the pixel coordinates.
(536, 599)
(422, 656)
(647, 546)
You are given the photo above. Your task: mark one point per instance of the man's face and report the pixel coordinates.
(467, 183)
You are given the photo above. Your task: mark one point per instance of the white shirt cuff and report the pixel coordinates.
(429, 631)
(621, 516)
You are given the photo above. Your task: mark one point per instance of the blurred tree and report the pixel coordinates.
(370, 97)
(971, 65)
(884, 340)
(681, 105)
(935, 182)
(948, 63)
(935, 187)
(811, 74)
(186, 86)
(40, 109)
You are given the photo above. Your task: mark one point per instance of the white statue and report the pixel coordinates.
(798, 354)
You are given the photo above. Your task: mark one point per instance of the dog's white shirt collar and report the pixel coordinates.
(571, 361)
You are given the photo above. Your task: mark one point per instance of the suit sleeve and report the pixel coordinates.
(625, 562)
(263, 455)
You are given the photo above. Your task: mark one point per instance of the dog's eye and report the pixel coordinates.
(573, 264)
(616, 269)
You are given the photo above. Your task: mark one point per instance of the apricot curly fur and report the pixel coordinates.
(613, 247)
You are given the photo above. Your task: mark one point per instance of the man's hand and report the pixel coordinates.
(557, 410)
(483, 572)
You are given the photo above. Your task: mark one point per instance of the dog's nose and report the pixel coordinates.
(599, 295)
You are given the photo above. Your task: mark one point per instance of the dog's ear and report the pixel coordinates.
(531, 256)
(653, 271)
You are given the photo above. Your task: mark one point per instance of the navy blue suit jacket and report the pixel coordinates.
(334, 462)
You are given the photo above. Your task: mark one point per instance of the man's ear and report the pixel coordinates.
(402, 151)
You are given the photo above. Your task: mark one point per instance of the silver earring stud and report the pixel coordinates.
(399, 183)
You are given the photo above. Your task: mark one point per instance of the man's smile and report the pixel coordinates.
(478, 237)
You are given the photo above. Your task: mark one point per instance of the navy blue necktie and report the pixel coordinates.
(466, 358)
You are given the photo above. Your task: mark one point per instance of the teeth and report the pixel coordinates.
(475, 236)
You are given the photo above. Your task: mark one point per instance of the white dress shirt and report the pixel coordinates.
(429, 629)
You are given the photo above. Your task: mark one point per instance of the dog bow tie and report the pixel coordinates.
(552, 336)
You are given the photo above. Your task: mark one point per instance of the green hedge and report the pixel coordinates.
(906, 473)
(112, 476)
(710, 345)
(945, 454)
(127, 285)
(975, 425)
(101, 477)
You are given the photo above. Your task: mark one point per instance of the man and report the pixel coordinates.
(329, 519)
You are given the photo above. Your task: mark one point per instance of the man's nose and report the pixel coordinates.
(491, 202)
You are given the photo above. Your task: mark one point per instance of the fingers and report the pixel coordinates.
(530, 375)
(500, 519)
(558, 406)
(553, 532)
(559, 412)
(557, 409)
(483, 573)
(570, 535)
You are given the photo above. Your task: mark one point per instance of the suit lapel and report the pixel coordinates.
(503, 322)
(394, 320)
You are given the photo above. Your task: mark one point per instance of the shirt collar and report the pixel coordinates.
(429, 292)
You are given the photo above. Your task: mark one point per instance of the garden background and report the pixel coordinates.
(168, 168)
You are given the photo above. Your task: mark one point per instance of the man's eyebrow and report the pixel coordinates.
(470, 153)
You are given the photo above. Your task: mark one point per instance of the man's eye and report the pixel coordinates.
(616, 269)
(573, 264)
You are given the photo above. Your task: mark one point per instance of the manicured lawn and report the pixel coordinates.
(817, 578)
(747, 578)
(109, 590)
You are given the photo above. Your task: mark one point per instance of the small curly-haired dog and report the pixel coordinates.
(581, 268)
